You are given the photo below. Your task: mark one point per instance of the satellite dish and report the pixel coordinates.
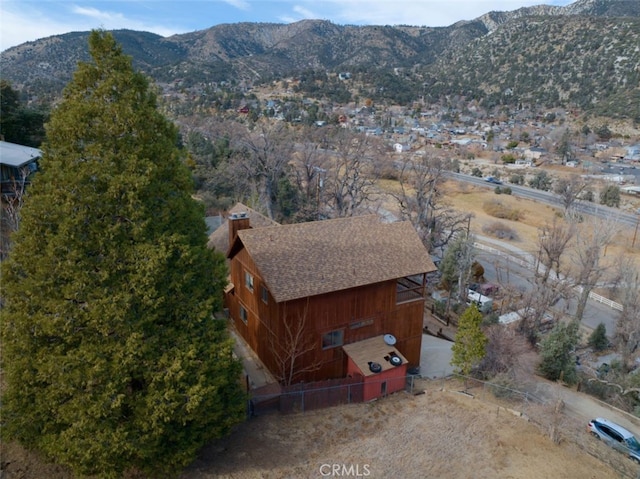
(389, 339)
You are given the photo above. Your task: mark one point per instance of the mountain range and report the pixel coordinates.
(584, 55)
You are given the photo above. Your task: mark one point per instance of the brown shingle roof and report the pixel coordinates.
(219, 239)
(307, 259)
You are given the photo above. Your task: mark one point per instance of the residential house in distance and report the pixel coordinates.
(17, 163)
(304, 295)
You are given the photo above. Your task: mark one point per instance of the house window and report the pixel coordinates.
(248, 281)
(244, 316)
(333, 339)
(264, 294)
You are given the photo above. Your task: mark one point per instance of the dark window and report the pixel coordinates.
(332, 339)
(611, 433)
(265, 295)
(248, 281)
(244, 316)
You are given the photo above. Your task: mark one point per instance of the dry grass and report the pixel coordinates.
(498, 209)
(439, 434)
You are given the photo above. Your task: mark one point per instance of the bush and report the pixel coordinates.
(503, 386)
(610, 196)
(506, 190)
(497, 190)
(490, 319)
(598, 339)
(517, 179)
(508, 159)
(498, 209)
(477, 172)
(541, 181)
(500, 230)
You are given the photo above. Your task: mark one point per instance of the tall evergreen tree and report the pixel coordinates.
(470, 342)
(111, 356)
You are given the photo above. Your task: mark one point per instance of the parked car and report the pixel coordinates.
(616, 436)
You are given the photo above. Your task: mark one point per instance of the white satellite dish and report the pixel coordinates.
(389, 339)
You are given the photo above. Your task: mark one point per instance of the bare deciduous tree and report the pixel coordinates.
(507, 353)
(266, 151)
(628, 324)
(292, 346)
(553, 239)
(569, 190)
(354, 168)
(421, 202)
(592, 238)
(13, 195)
(310, 162)
(537, 304)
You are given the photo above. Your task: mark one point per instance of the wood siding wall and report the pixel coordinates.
(360, 313)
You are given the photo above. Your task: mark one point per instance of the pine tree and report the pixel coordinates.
(111, 356)
(598, 338)
(470, 341)
(556, 353)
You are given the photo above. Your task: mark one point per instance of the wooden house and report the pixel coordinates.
(298, 293)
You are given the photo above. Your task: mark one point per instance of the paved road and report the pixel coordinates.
(506, 268)
(627, 219)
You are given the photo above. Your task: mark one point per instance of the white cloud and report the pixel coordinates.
(24, 25)
(240, 4)
(305, 12)
(416, 12)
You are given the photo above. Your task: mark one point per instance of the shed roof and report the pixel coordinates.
(307, 259)
(15, 155)
(373, 350)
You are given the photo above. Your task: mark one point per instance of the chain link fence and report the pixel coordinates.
(544, 409)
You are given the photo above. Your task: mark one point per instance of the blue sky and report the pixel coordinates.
(27, 20)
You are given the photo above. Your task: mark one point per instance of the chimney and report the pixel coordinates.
(237, 221)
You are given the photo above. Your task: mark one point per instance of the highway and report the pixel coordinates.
(586, 207)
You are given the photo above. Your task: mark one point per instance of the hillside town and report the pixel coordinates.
(235, 278)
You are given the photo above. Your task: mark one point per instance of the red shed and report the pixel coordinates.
(383, 367)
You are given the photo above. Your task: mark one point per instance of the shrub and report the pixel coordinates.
(598, 339)
(503, 386)
(506, 190)
(500, 230)
(477, 172)
(517, 179)
(610, 196)
(498, 209)
(508, 159)
(490, 319)
(541, 181)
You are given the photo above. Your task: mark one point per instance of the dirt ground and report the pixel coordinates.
(438, 434)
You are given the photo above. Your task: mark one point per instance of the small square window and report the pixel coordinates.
(264, 294)
(244, 316)
(248, 281)
(333, 339)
